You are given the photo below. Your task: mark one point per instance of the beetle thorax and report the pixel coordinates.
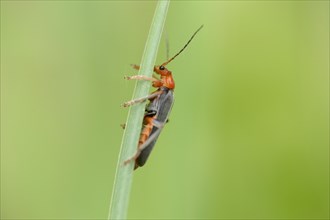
(168, 81)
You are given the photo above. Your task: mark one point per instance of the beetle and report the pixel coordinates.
(158, 109)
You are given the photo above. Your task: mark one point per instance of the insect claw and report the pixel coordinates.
(136, 155)
(127, 77)
(127, 161)
(134, 66)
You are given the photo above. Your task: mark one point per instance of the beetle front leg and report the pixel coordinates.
(155, 82)
(141, 77)
(137, 67)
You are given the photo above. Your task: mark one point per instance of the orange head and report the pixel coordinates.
(162, 71)
(166, 77)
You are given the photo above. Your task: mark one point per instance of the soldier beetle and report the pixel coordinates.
(158, 109)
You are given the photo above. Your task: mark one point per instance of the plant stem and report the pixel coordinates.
(124, 174)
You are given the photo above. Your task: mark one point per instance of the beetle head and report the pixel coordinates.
(162, 70)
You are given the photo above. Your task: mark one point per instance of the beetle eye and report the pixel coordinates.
(161, 67)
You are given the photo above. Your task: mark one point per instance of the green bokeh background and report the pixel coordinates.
(248, 134)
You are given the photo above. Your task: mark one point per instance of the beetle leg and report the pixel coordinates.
(141, 147)
(136, 155)
(141, 77)
(157, 124)
(134, 101)
(134, 66)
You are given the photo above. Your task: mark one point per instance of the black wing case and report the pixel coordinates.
(162, 105)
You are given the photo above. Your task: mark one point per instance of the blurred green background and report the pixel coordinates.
(248, 135)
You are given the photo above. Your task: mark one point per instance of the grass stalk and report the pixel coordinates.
(124, 174)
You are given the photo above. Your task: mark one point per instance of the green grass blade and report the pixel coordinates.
(123, 179)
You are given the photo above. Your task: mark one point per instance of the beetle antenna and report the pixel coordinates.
(184, 47)
(167, 45)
